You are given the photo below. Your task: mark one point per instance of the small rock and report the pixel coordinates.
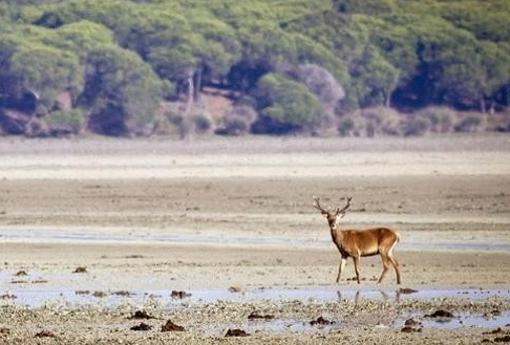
(19, 281)
(169, 326)
(45, 334)
(134, 256)
(234, 289)
(412, 323)
(141, 327)
(8, 296)
(99, 294)
(39, 281)
(236, 332)
(80, 269)
(409, 329)
(82, 292)
(122, 293)
(141, 314)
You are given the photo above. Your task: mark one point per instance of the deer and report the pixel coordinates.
(354, 243)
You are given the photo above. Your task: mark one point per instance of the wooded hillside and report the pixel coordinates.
(341, 67)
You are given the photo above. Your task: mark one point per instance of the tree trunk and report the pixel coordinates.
(388, 100)
(191, 93)
(198, 84)
(483, 106)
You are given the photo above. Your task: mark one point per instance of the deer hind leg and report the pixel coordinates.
(356, 266)
(341, 267)
(396, 266)
(386, 266)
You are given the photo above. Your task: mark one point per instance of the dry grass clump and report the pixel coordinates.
(238, 121)
(371, 122)
(381, 121)
(438, 119)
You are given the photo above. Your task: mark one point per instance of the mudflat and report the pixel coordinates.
(231, 222)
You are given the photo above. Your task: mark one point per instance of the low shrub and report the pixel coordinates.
(65, 122)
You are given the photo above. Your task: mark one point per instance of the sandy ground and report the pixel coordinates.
(147, 217)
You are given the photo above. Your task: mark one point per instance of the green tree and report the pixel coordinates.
(122, 91)
(286, 105)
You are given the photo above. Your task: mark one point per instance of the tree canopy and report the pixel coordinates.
(295, 62)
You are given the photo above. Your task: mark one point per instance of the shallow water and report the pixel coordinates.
(415, 242)
(33, 293)
(462, 320)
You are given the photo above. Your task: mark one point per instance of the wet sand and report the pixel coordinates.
(146, 217)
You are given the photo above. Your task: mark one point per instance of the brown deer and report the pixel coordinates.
(358, 243)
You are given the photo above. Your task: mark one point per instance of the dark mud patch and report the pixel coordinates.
(19, 281)
(45, 334)
(39, 281)
(82, 292)
(135, 256)
(123, 293)
(256, 316)
(141, 327)
(21, 273)
(179, 294)
(321, 321)
(440, 314)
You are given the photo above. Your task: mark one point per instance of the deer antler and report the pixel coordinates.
(343, 211)
(318, 206)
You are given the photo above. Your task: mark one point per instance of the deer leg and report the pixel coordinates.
(341, 268)
(396, 266)
(356, 266)
(386, 265)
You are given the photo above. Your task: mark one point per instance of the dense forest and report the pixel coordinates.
(317, 67)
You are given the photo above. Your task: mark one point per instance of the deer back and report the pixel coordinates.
(367, 242)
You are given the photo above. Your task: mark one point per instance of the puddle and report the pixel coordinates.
(39, 288)
(34, 295)
(461, 321)
(295, 326)
(277, 326)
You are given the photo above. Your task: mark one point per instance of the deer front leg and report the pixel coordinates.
(356, 266)
(341, 267)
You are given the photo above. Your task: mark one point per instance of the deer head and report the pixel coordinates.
(332, 216)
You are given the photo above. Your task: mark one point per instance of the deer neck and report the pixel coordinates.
(336, 233)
